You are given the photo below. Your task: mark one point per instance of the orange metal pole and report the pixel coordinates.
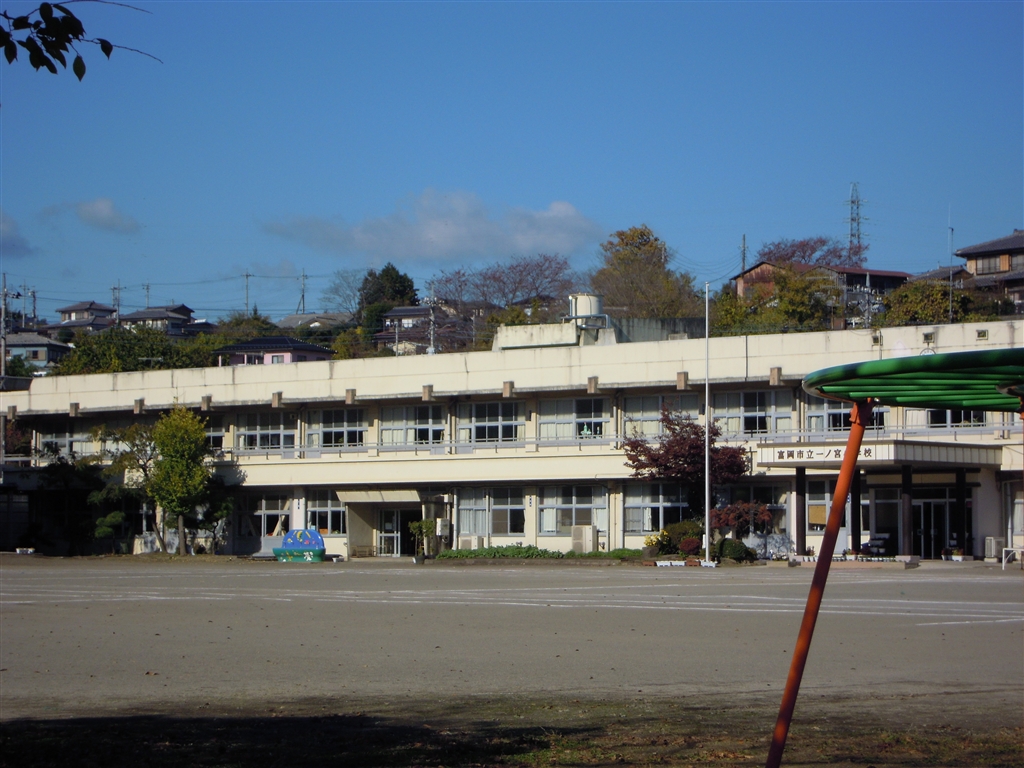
(860, 414)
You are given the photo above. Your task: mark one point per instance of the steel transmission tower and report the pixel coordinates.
(855, 220)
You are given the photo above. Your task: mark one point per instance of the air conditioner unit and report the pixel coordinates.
(994, 547)
(584, 539)
(471, 542)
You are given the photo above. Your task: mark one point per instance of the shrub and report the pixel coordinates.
(512, 550)
(734, 549)
(685, 529)
(690, 546)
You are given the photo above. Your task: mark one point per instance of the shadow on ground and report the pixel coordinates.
(483, 733)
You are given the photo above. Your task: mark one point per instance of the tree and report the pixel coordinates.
(17, 365)
(636, 280)
(342, 293)
(524, 278)
(925, 302)
(50, 33)
(130, 471)
(678, 454)
(239, 325)
(818, 250)
(120, 349)
(389, 286)
(794, 301)
(181, 477)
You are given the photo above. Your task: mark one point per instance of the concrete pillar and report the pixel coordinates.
(800, 513)
(907, 510)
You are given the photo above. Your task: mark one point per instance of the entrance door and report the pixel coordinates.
(930, 529)
(394, 538)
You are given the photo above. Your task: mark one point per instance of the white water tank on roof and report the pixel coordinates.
(582, 304)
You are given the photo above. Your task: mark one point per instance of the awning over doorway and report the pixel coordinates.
(380, 496)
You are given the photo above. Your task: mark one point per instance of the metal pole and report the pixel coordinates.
(860, 415)
(707, 424)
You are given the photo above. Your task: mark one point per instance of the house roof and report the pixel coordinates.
(408, 312)
(942, 273)
(1014, 242)
(799, 266)
(272, 344)
(324, 318)
(170, 312)
(93, 305)
(33, 340)
(998, 278)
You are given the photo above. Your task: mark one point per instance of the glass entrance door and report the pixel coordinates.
(930, 529)
(394, 538)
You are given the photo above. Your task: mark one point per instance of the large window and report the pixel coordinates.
(824, 416)
(267, 431)
(500, 422)
(986, 265)
(215, 432)
(325, 512)
(264, 515)
(956, 417)
(562, 507)
(643, 413)
(754, 413)
(652, 506)
(498, 511)
(819, 501)
(339, 428)
(67, 442)
(412, 425)
(576, 419)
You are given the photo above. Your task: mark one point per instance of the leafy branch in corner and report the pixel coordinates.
(49, 34)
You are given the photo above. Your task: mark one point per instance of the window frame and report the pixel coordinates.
(424, 424)
(556, 516)
(352, 427)
(645, 506)
(323, 505)
(257, 431)
(491, 422)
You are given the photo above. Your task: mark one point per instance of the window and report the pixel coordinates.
(834, 416)
(276, 359)
(955, 417)
(643, 414)
(581, 418)
(65, 442)
(499, 511)
(253, 360)
(339, 428)
(1016, 261)
(215, 432)
(491, 422)
(508, 515)
(412, 425)
(325, 512)
(562, 507)
(986, 265)
(819, 501)
(472, 512)
(266, 431)
(754, 413)
(652, 506)
(264, 516)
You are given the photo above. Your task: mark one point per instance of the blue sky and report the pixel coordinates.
(277, 138)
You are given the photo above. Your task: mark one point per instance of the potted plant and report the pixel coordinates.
(958, 555)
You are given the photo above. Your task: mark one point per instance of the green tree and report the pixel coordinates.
(116, 350)
(636, 280)
(17, 365)
(130, 472)
(239, 325)
(925, 302)
(181, 476)
(793, 301)
(381, 291)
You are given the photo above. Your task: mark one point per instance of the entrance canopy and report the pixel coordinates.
(989, 380)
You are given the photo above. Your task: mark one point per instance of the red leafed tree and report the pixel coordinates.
(678, 454)
(813, 250)
(740, 515)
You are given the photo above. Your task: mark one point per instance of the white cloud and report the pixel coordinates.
(12, 242)
(102, 214)
(448, 225)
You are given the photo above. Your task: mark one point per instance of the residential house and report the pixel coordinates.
(86, 316)
(998, 265)
(36, 349)
(271, 350)
(173, 319)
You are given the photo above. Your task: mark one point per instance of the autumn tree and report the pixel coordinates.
(795, 300)
(180, 477)
(636, 279)
(342, 293)
(818, 250)
(677, 454)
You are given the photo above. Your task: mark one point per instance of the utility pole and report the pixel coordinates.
(743, 255)
(24, 309)
(951, 269)
(3, 330)
(146, 286)
(247, 276)
(301, 310)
